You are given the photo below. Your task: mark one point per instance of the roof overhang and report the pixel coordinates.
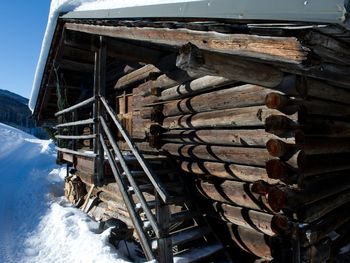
(320, 11)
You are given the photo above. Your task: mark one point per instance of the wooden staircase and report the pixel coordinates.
(169, 225)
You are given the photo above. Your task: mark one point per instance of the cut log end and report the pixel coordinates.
(276, 100)
(276, 199)
(275, 169)
(276, 147)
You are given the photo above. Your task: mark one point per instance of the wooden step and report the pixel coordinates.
(197, 254)
(184, 236)
(188, 235)
(183, 216)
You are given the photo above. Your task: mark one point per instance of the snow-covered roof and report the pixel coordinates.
(322, 11)
(63, 6)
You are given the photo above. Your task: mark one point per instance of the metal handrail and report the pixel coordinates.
(137, 222)
(130, 178)
(76, 106)
(148, 171)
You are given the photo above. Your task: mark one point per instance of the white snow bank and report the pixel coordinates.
(62, 6)
(36, 225)
(70, 240)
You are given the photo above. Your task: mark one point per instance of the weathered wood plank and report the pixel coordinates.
(283, 49)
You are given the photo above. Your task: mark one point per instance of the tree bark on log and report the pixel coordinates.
(309, 145)
(239, 117)
(232, 192)
(255, 220)
(226, 171)
(196, 62)
(253, 137)
(234, 97)
(240, 155)
(193, 87)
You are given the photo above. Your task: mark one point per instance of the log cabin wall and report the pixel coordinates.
(255, 121)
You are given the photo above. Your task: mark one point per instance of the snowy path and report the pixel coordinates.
(36, 224)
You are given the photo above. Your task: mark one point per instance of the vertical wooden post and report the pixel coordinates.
(99, 90)
(165, 249)
(75, 129)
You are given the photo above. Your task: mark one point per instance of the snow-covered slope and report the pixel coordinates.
(37, 225)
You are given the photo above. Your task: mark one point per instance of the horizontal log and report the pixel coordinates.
(240, 155)
(227, 171)
(307, 165)
(175, 77)
(282, 197)
(195, 86)
(309, 145)
(283, 49)
(253, 137)
(320, 180)
(255, 220)
(239, 117)
(314, 211)
(309, 87)
(233, 97)
(328, 48)
(281, 125)
(232, 192)
(196, 62)
(306, 106)
(318, 230)
(136, 77)
(334, 74)
(252, 241)
(165, 65)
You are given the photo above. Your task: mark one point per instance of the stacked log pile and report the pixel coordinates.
(270, 150)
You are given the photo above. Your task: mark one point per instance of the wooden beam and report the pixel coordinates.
(197, 62)
(281, 49)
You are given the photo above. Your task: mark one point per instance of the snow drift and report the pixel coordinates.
(36, 223)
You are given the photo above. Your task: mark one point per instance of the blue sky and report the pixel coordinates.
(22, 27)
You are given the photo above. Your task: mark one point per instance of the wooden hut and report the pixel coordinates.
(217, 130)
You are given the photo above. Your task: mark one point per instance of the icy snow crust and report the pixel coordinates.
(37, 225)
(62, 6)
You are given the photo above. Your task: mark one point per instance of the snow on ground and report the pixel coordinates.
(37, 225)
(62, 6)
